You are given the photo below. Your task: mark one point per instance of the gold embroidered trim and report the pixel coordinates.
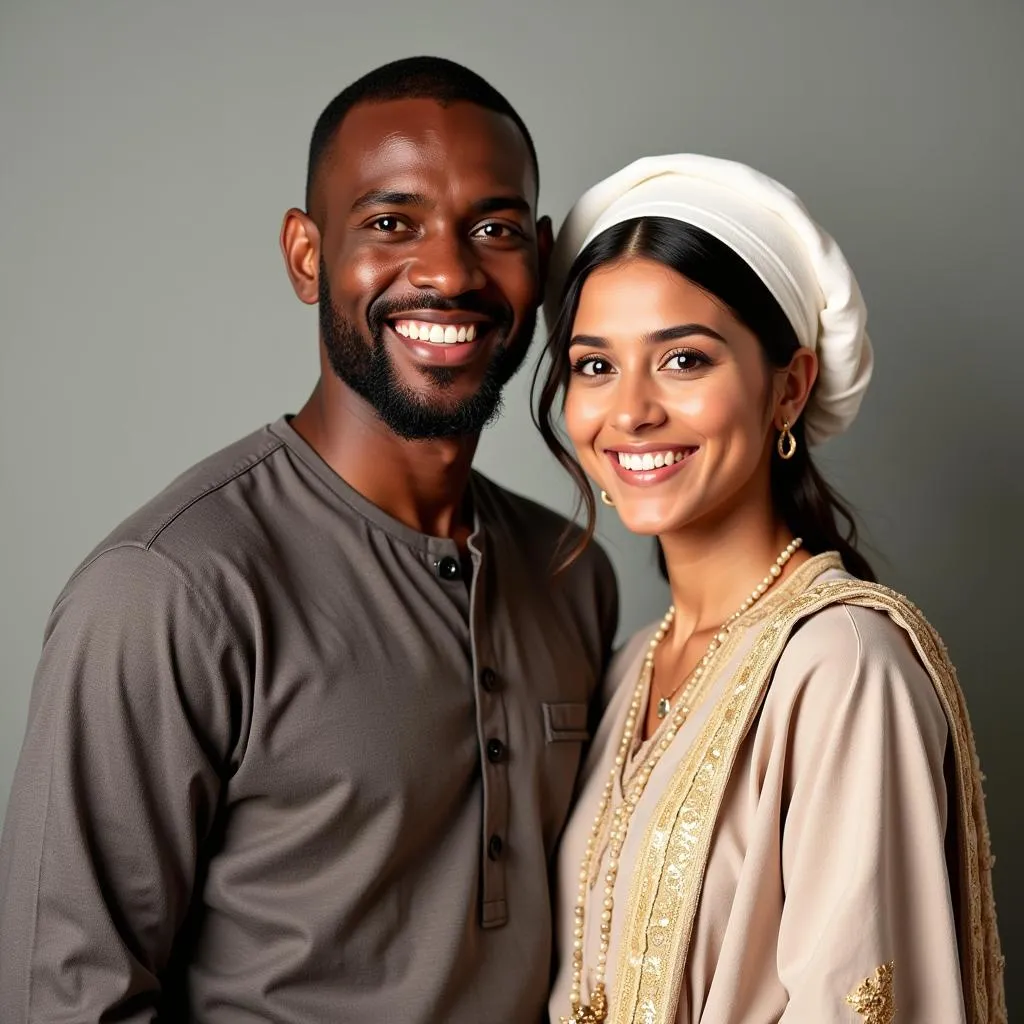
(664, 896)
(874, 998)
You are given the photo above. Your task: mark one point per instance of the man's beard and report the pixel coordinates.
(369, 371)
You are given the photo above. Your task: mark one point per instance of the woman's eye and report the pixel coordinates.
(685, 361)
(592, 366)
(390, 225)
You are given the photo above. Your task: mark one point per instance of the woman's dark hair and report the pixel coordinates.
(806, 503)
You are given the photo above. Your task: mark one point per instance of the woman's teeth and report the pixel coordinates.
(436, 334)
(650, 460)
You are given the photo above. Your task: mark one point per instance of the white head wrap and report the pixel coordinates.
(769, 228)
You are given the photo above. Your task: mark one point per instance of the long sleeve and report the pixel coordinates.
(863, 850)
(115, 793)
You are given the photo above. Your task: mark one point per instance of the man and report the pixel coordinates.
(306, 727)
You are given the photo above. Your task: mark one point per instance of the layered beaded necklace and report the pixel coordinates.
(597, 1010)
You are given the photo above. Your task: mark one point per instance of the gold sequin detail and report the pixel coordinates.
(873, 999)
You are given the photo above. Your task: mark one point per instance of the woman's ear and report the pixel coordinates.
(793, 387)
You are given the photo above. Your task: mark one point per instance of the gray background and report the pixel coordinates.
(147, 152)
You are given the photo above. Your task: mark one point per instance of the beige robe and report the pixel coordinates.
(788, 858)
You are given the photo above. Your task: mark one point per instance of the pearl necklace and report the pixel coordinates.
(665, 704)
(597, 1010)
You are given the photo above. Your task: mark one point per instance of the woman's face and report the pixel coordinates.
(671, 401)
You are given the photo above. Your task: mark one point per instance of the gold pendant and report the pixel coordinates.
(664, 707)
(596, 1014)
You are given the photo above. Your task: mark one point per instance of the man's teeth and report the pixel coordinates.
(650, 460)
(436, 334)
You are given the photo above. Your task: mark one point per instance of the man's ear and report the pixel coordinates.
(300, 246)
(545, 243)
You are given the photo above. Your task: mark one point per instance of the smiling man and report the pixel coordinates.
(306, 727)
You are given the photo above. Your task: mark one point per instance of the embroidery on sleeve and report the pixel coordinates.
(873, 999)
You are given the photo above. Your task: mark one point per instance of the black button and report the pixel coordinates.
(494, 847)
(489, 680)
(495, 751)
(448, 568)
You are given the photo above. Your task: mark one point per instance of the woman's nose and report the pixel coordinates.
(637, 406)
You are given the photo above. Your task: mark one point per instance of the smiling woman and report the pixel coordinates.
(662, 270)
(781, 817)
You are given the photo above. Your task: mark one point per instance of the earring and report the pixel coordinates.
(787, 442)
(606, 499)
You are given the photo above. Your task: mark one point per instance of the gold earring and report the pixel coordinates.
(606, 499)
(787, 442)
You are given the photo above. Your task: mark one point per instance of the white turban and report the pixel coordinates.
(769, 228)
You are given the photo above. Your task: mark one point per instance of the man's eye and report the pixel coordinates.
(495, 230)
(390, 225)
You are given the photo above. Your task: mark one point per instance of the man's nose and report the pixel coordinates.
(447, 264)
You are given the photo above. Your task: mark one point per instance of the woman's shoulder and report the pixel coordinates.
(851, 658)
(845, 634)
(839, 616)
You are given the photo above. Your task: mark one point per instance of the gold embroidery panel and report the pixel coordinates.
(874, 998)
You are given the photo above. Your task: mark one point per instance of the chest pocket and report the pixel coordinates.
(565, 722)
(565, 734)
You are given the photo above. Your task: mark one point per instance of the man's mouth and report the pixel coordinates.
(448, 339)
(437, 333)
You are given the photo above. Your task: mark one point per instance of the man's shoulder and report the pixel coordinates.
(540, 533)
(545, 564)
(523, 518)
(189, 516)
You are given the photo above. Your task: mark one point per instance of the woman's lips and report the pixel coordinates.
(645, 468)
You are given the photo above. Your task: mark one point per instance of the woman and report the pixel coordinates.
(781, 817)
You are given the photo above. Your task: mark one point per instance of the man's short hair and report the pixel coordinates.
(432, 78)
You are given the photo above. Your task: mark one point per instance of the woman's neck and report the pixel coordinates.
(713, 567)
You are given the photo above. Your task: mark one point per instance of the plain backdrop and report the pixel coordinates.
(148, 150)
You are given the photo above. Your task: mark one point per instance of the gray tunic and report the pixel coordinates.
(285, 763)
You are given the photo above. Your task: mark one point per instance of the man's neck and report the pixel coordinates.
(420, 483)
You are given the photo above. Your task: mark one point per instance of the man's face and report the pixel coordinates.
(430, 262)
